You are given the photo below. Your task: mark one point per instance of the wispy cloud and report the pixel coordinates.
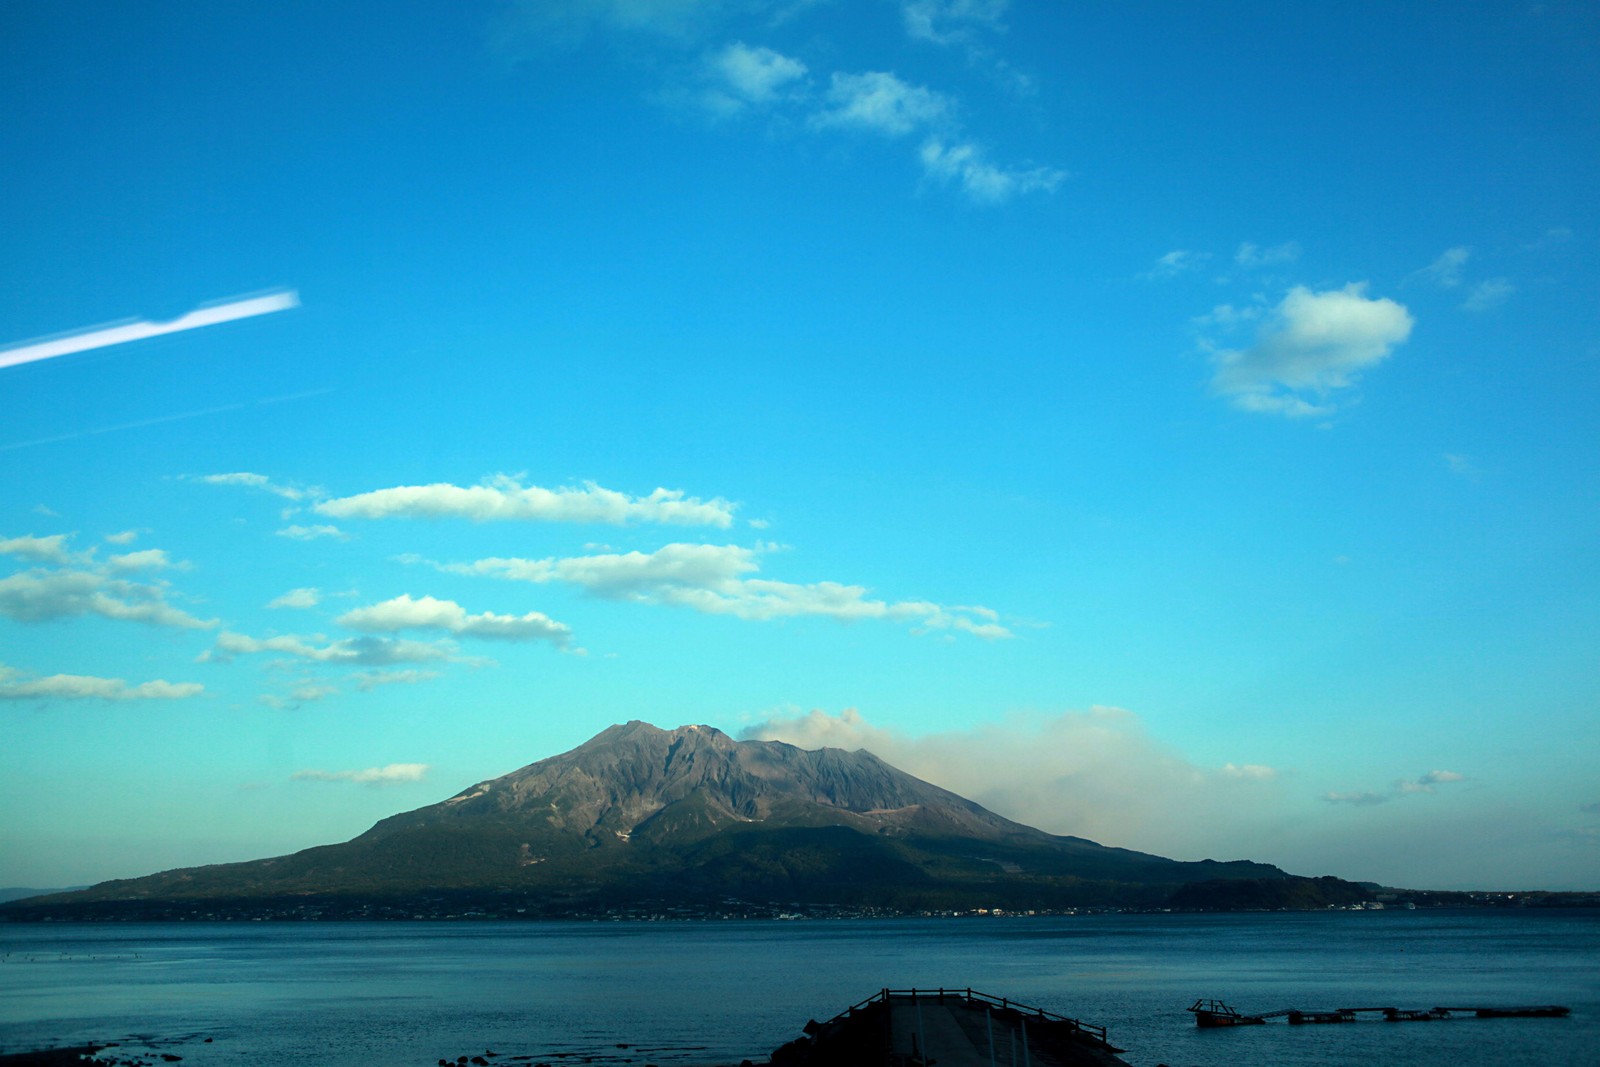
(127, 330)
(1253, 256)
(1555, 235)
(743, 76)
(148, 559)
(89, 687)
(50, 549)
(718, 580)
(982, 181)
(1357, 799)
(951, 21)
(504, 498)
(535, 25)
(1250, 772)
(1445, 271)
(1178, 261)
(1488, 294)
(314, 532)
(297, 598)
(430, 613)
(251, 480)
(1312, 345)
(391, 774)
(369, 680)
(739, 77)
(40, 595)
(1095, 773)
(1426, 782)
(1404, 787)
(879, 102)
(358, 651)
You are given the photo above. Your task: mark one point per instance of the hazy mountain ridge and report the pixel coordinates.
(639, 813)
(632, 776)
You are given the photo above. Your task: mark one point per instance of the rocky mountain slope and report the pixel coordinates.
(687, 816)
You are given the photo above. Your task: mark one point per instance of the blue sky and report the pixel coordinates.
(1170, 425)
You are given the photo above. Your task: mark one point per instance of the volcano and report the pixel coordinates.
(644, 818)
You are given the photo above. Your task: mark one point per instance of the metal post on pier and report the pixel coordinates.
(988, 1017)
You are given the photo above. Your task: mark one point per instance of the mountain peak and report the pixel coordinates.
(629, 774)
(638, 812)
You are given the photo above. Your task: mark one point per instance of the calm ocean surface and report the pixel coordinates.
(716, 992)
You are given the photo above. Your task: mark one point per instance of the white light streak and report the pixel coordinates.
(138, 329)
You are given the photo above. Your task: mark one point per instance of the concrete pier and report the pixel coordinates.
(950, 1028)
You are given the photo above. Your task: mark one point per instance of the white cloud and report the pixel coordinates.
(1250, 772)
(39, 595)
(358, 651)
(1426, 783)
(297, 598)
(312, 533)
(1356, 799)
(258, 481)
(305, 694)
(149, 559)
(1488, 294)
(879, 102)
(1312, 343)
(1228, 317)
(392, 774)
(1404, 787)
(738, 77)
(429, 613)
(1445, 272)
(951, 21)
(543, 24)
(982, 181)
(1176, 262)
(1556, 235)
(746, 76)
(1252, 255)
(126, 537)
(1461, 465)
(715, 580)
(1096, 774)
(51, 549)
(369, 680)
(88, 687)
(502, 498)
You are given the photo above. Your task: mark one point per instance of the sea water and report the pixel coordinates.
(687, 993)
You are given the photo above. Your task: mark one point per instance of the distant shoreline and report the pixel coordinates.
(344, 910)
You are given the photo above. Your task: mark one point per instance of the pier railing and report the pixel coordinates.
(972, 996)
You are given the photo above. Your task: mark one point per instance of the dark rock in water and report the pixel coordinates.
(52, 1057)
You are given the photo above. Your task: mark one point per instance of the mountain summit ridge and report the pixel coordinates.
(623, 778)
